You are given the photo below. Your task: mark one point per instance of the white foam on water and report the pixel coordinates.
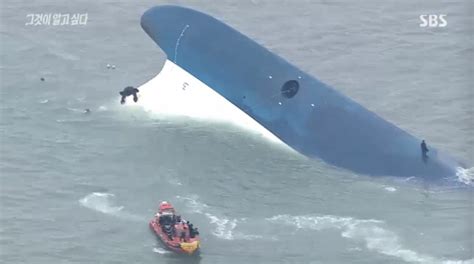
(371, 232)
(409, 179)
(76, 110)
(225, 227)
(100, 202)
(390, 189)
(193, 203)
(72, 120)
(355, 249)
(176, 93)
(104, 203)
(45, 101)
(102, 108)
(465, 176)
(470, 261)
(161, 251)
(174, 181)
(59, 52)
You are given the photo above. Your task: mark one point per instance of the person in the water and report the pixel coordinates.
(129, 90)
(424, 150)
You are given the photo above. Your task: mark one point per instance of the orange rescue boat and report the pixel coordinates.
(176, 233)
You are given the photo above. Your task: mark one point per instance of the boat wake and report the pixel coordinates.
(371, 232)
(161, 251)
(225, 228)
(104, 203)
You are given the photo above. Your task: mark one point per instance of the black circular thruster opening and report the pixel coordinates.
(290, 88)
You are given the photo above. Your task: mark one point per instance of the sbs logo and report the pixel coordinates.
(432, 20)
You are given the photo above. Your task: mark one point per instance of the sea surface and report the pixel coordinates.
(81, 188)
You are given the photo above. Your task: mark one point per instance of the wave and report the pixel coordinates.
(370, 231)
(101, 108)
(72, 121)
(224, 227)
(465, 176)
(60, 53)
(75, 110)
(104, 203)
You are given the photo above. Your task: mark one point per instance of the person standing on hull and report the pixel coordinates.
(127, 91)
(424, 151)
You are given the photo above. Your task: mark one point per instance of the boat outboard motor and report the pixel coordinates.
(192, 231)
(127, 91)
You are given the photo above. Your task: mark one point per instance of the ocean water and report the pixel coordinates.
(81, 188)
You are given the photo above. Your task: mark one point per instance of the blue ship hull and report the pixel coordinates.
(308, 115)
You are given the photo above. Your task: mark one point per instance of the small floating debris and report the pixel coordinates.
(42, 79)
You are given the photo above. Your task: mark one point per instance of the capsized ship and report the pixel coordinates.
(309, 116)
